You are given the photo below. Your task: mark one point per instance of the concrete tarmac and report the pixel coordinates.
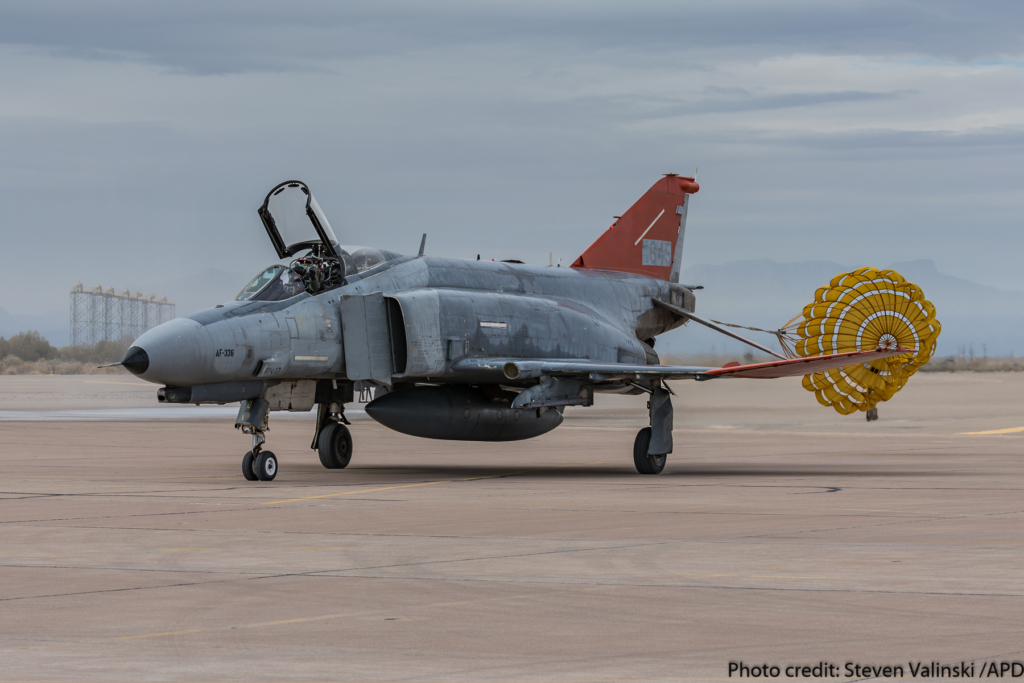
(780, 533)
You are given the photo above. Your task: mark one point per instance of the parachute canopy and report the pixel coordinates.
(861, 311)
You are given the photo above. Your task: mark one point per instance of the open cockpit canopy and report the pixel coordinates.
(295, 222)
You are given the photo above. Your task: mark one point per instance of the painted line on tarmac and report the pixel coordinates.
(423, 483)
(1011, 430)
(349, 493)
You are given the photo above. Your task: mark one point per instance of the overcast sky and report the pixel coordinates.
(138, 139)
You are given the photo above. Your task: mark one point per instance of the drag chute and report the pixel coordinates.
(861, 311)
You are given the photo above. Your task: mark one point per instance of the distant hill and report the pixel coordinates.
(766, 294)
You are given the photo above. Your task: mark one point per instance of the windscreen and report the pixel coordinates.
(285, 210)
(258, 283)
(276, 283)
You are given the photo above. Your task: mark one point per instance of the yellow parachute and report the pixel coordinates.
(862, 311)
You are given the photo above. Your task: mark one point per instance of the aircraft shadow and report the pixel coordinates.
(624, 471)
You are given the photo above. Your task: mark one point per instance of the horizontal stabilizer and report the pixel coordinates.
(804, 366)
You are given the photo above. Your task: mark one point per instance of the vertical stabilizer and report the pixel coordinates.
(648, 238)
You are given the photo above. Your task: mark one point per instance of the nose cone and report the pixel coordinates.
(136, 361)
(178, 353)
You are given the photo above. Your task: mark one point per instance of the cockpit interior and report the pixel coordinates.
(310, 273)
(295, 223)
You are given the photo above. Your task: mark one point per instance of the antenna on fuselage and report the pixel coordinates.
(423, 244)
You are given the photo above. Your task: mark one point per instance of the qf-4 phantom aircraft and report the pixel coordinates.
(452, 349)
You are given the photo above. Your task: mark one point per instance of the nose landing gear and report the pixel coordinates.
(266, 466)
(257, 464)
(253, 419)
(248, 471)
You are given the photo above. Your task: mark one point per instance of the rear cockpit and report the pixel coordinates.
(295, 223)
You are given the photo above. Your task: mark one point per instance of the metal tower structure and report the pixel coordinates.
(105, 315)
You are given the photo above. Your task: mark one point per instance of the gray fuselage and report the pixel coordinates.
(410, 319)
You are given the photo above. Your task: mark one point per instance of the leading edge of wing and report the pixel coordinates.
(517, 368)
(521, 368)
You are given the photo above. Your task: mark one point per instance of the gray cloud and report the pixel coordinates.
(784, 101)
(138, 140)
(231, 37)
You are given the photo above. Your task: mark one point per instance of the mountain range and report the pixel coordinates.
(767, 294)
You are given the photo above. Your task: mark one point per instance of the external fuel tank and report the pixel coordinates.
(459, 413)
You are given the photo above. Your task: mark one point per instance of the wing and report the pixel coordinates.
(517, 368)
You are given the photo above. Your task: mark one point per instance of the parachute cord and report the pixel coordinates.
(787, 340)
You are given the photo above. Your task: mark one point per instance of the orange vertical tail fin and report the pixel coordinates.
(648, 238)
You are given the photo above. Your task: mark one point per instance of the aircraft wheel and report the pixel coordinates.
(266, 466)
(335, 446)
(248, 470)
(646, 464)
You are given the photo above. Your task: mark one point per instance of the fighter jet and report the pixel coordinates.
(450, 348)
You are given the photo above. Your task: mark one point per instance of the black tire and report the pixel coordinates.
(646, 464)
(266, 466)
(656, 463)
(248, 470)
(335, 446)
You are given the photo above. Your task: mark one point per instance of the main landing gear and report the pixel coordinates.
(334, 446)
(332, 441)
(644, 461)
(654, 443)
